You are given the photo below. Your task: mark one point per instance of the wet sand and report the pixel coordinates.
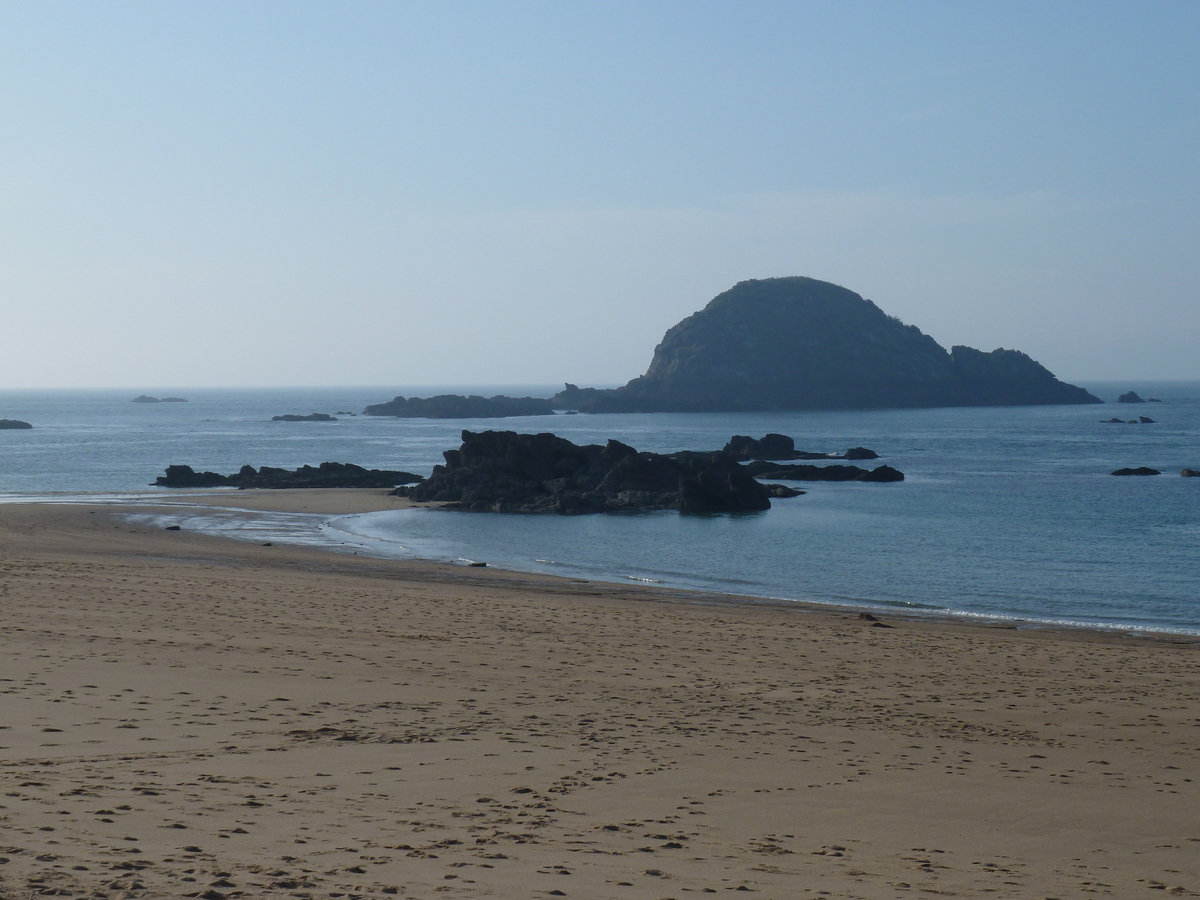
(191, 716)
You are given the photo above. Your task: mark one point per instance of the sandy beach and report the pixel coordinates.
(190, 716)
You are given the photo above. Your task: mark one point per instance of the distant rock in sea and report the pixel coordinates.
(147, 399)
(326, 475)
(13, 424)
(456, 406)
(311, 417)
(1190, 473)
(1140, 470)
(1130, 397)
(502, 471)
(798, 343)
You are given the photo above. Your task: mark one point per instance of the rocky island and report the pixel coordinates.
(326, 475)
(798, 343)
(456, 406)
(311, 417)
(13, 424)
(147, 399)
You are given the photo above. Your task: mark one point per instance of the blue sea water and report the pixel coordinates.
(1004, 513)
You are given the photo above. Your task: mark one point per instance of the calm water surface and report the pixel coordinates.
(1004, 513)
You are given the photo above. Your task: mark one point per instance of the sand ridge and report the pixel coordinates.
(189, 716)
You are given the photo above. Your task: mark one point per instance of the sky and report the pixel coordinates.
(360, 193)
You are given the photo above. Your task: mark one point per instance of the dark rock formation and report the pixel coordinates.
(780, 446)
(1190, 473)
(1140, 470)
(311, 417)
(764, 469)
(187, 477)
(13, 424)
(799, 343)
(326, 475)
(455, 406)
(345, 412)
(1146, 420)
(1130, 397)
(502, 471)
(769, 446)
(146, 399)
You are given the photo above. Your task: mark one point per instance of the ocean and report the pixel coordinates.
(1005, 514)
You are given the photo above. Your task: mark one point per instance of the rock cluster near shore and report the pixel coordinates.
(502, 471)
(326, 475)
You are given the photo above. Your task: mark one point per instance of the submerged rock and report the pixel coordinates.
(502, 471)
(782, 491)
(780, 446)
(765, 469)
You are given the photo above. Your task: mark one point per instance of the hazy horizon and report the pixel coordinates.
(290, 194)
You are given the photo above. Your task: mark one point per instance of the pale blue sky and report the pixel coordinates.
(398, 193)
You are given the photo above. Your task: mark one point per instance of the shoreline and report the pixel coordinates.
(331, 503)
(185, 714)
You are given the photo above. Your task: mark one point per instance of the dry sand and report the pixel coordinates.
(188, 716)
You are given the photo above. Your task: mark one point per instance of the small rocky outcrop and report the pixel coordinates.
(326, 475)
(1190, 473)
(456, 406)
(780, 446)
(1130, 397)
(147, 399)
(1140, 470)
(502, 471)
(311, 417)
(13, 424)
(765, 469)
(1140, 420)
